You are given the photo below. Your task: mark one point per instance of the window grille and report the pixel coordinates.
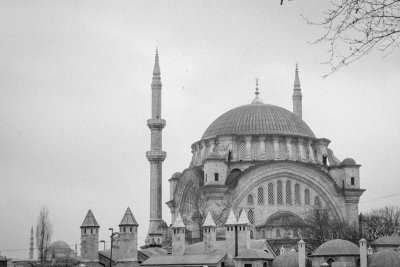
(282, 150)
(269, 150)
(317, 202)
(296, 232)
(271, 194)
(255, 150)
(250, 200)
(295, 152)
(278, 233)
(279, 196)
(288, 193)
(251, 234)
(297, 194)
(250, 216)
(242, 150)
(260, 195)
(307, 197)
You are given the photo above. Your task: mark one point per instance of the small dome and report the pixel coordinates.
(59, 244)
(288, 259)
(348, 161)
(337, 247)
(388, 240)
(258, 119)
(385, 258)
(283, 218)
(254, 254)
(176, 175)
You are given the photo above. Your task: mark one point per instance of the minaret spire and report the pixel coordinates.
(297, 96)
(155, 156)
(31, 245)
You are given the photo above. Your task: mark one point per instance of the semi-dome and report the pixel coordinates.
(384, 258)
(288, 259)
(258, 119)
(337, 247)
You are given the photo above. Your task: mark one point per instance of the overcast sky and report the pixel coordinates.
(75, 96)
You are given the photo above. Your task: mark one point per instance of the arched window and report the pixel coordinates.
(255, 148)
(279, 196)
(329, 261)
(250, 216)
(307, 197)
(288, 193)
(260, 192)
(317, 202)
(242, 150)
(250, 200)
(251, 234)
(278, 233)
(297, 194)
(271, 194)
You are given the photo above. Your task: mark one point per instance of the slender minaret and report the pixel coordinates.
(297, 96)
(155, 156)
(31, 246)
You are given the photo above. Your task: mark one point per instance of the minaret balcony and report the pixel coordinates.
(156, 155)
(156, 123)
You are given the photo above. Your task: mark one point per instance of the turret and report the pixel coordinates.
(128, 237)
(209, 234)
(178, 236)
(156, 157)
(90, 238)
(363, 252)
(31, 245)
(302, 253)
(231, 234)
(243, 226)
(215, 169)
(297, 96)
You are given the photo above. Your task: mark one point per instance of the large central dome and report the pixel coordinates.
(258, 119)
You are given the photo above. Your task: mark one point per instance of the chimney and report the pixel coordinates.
(302, 253)
(363, 252)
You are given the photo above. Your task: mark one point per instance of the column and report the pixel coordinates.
(275, 140)
(311, 152)
(262, 147)
(289, 148)
(248, 148)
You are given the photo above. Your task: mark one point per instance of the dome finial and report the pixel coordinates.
(257, 99)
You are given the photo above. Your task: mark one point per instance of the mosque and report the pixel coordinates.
(254, 175)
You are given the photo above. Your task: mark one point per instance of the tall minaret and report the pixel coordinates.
(297, 96)
(155, 156)
(31, 246)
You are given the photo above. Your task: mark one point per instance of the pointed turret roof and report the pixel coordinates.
(178, 222)
(90, 221)
(243, 218)
(128, 219)
(231, 219)
(296, 78)
(156, 70)
(209, 222)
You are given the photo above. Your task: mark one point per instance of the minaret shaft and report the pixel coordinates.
(155, 156)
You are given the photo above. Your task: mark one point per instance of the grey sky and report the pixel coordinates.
(75, 96)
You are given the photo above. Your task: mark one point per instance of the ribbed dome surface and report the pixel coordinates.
(59, 244)
(258, 119)
(384, 258)
(388, 240)
(337, 247)
(288, 259)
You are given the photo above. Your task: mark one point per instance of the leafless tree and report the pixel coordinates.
(322, 227)
(353, 28)
(381, 222)
(44, 231)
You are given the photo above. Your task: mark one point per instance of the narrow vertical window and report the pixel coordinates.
(278, 233)
(260, 193)
(216, 176)
(279, 196)
(317, 202)
(250, 200)
(288, 193)
(307, 197)
(297, 194)
(250, 216)
(352, 180)
(271, 194)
